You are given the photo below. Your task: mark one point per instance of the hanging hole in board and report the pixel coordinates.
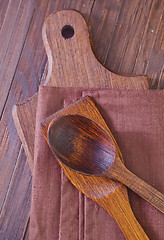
(67, 31)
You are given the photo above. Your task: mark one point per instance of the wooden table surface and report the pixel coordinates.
(128, 38)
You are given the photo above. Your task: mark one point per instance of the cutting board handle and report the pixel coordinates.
(71, 61)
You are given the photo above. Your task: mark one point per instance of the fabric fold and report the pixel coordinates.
(58, 210)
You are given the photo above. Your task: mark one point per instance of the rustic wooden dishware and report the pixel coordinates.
(111, 195)
(86, 148)
(71, 62)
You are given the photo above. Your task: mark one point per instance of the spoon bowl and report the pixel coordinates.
(71, 134)
(85, 147)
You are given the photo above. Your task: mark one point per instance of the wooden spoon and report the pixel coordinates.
(109, 194)
(85, 147)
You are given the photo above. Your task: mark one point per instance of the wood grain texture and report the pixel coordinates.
(145, 60)
(4, 5)
(105, 18)
(12, 40)
(13, 204)
(75, 53)
(27, 112)
(24, 113)
(64, 55)
(85, 107)
(136, 184)
(119, 208)
(134, 44)
(25, 82)
(98, 188)
(82, 145)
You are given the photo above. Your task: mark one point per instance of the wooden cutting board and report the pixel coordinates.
(71, 62)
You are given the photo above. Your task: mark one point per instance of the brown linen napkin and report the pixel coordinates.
(58, 209)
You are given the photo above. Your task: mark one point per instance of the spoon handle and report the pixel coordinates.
(119, 172)
(118, 207)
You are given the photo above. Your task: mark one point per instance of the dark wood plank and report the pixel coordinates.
(9, 148)
(103, 19)
(135, 25)
(156, 60)
(10, 143)
(120, 33)
(24, 84)
(3, 9)
(132, 37)
(19, 13)
(148, 61)
(17, 202)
